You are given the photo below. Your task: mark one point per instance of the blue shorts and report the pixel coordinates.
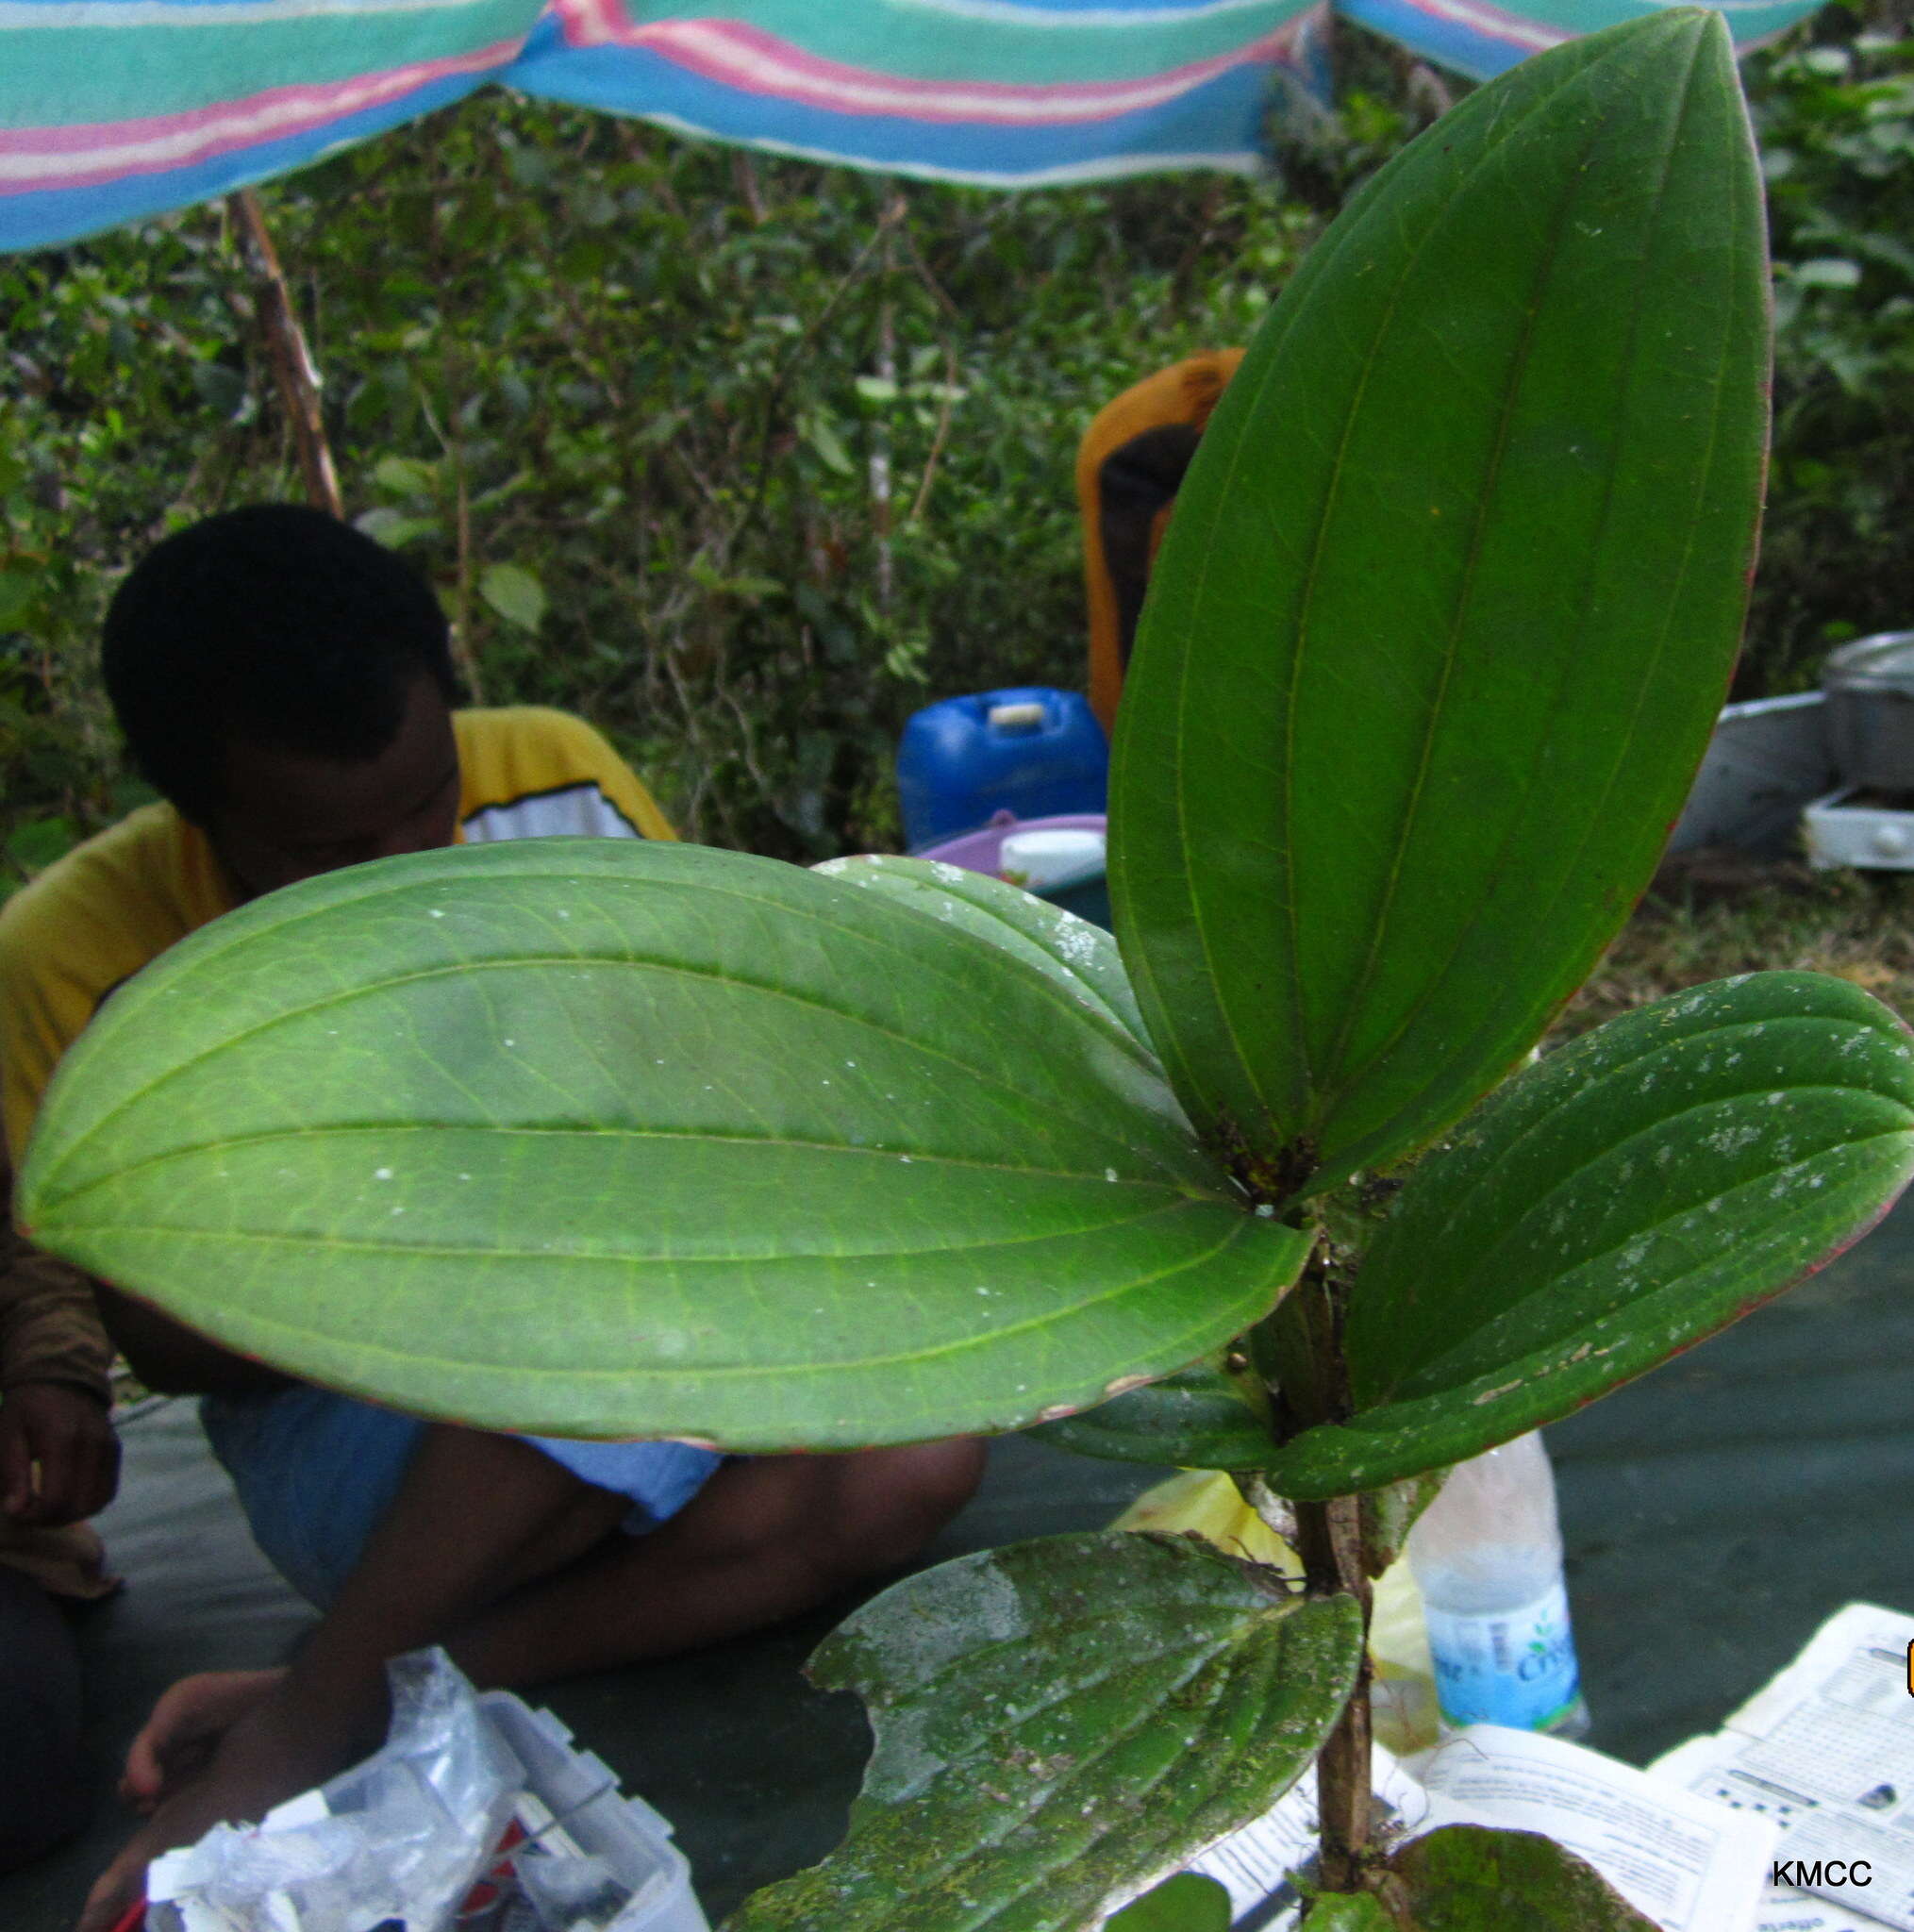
(316, 1471)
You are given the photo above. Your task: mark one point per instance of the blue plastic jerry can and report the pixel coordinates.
(1033, 752)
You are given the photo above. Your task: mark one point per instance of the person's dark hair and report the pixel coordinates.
(276, 623)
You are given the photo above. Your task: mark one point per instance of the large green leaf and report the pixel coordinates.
(612, 1138)
(1059, 1724)
(1202, 1417)
(1466, 1878)
(1448, 606)
(1634, 1192)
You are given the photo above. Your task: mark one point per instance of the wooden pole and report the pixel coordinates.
(293, 369)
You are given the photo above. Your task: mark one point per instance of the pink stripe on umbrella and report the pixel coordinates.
(755, 63)
(85, 153)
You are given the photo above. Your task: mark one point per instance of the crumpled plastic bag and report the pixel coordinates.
(403, 1836)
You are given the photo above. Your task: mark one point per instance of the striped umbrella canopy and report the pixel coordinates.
(1475, 38)
(111, 109)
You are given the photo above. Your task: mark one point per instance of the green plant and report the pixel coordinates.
(888, 1151)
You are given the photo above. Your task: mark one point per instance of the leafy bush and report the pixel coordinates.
(746, 460)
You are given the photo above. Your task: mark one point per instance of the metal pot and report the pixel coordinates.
(1870, 686)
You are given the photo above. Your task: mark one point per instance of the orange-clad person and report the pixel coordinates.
(1128, 469)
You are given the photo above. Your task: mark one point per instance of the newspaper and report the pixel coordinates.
(1826, 1752)
(1683, 1862)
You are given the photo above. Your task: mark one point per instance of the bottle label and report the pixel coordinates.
(1514, 1667)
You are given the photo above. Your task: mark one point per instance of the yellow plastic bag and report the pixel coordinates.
(1206, 1503)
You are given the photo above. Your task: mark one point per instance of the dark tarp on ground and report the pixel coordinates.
(1715, 1513)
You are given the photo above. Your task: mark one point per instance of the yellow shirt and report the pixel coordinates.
(96, 916)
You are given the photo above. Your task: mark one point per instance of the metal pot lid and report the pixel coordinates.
(1884, 662)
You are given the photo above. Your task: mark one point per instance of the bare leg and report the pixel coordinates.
(763, 1540)
(495, 1550)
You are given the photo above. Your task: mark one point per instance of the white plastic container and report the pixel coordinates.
(1046, 860)
(1873, 837)
(457, 1779)
(581, 1792)
(1488, 1559)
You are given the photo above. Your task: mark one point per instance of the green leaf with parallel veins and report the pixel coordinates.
(1466, 1878)
(1188, 1902)
(1448, 605)
(1633, 1192)
(614, 1138)
(1060, 1723)
(1202, 1417)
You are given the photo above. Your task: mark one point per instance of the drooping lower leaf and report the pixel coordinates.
(1633, 1192)
(1350, 1912)
(623, 1139)
(1448, 605)
(1202, 1417)
(1187, 1903)
(1059, 1722)
(1466, 1878)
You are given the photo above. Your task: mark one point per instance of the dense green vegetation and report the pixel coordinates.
(632, 402)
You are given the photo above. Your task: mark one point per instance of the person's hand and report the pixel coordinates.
(184, 1729)
(60, 1460)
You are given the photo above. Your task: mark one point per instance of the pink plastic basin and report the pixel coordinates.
(979, 851)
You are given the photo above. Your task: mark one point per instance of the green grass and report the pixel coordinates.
(1717, 914)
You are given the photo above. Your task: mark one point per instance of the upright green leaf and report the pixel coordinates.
(620, 1139)
(1059, 1722)
(1448, 606)
(1634, 1192)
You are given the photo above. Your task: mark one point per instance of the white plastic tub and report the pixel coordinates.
(1870, 836)
(581, 1792)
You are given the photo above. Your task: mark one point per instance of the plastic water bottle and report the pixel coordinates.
(1488, 1559)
